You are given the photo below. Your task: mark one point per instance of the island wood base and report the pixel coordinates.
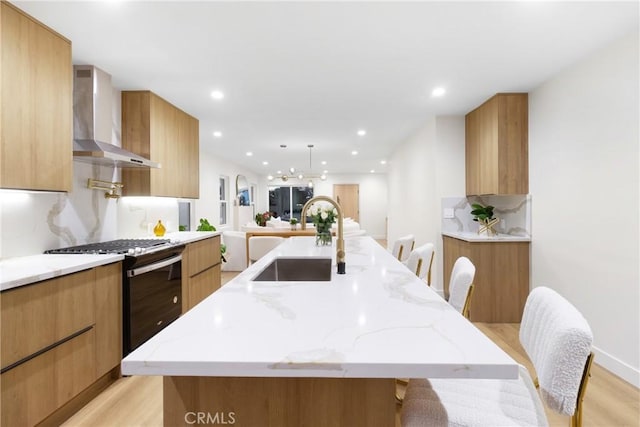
(279, 402)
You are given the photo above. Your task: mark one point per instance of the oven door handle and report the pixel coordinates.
(155, 266)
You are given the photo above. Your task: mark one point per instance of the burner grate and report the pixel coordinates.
(120, 246)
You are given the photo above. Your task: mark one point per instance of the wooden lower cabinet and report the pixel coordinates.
(36, 388)
(501, 283)
(201, 265)
(60, 337)
(203, 284)
(108, 303)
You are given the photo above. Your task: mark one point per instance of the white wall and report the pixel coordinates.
(211, 168)
(583, 150)
(425, 168)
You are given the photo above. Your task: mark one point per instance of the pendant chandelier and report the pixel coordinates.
(293, 173)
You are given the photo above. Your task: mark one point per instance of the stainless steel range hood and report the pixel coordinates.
(92, 94)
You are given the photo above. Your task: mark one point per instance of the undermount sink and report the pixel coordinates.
(296, 270)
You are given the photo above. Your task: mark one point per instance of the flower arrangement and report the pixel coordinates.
(262, 218)
(323, 216)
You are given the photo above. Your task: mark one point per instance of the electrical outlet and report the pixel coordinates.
(448, 213)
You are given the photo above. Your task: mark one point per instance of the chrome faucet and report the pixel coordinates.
(340, 249)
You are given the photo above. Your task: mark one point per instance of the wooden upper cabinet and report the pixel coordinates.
(36, 114)
(496, 146)
(153, 128)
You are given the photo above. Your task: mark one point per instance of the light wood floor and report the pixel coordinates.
(137, 401)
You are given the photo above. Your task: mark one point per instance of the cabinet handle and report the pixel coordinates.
(175, 299)
(159, 322)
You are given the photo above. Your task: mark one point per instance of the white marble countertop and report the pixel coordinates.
(468, 236)
(24, 270)
(190, 236)
(20, 271)
(377, 321)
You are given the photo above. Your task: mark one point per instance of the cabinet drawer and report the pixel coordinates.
(202, 285)
(35, 389)
(39, 315)
(202, 255)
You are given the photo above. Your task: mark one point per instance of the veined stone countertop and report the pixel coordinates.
(377, 321)
(475, 237)
(190, 236)
(24, 270)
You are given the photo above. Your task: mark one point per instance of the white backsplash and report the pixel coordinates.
(32, 222)
(514, 213)
(138, 215)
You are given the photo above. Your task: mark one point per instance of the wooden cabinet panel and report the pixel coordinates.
(154, 128)
(36, 112)
(35, 389)
(200, 271)
(496, 146)
(203, 284)
(203, 254)
(108, 303)
(501, 283)
(39, 315)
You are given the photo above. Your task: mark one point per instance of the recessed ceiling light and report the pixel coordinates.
(216, 94)
(372, 171)
(362, 132)
(325, 171)
(439, 91)
(279, 172)
(383, 162)
(354, 153)
(265, 163)
(323, 177)
(249, 153)
(217, 134)
(270, 177)
(324, 162)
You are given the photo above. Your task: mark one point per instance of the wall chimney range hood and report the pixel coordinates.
(92, 94)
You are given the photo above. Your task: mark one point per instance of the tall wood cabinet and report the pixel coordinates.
(501, 283)
(36, 119)
(201, 263)
(496, 146)
(59, 338)
(153, 128)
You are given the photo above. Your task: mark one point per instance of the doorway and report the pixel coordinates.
(348, 196)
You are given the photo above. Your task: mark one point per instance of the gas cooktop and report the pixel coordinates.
(121, 246)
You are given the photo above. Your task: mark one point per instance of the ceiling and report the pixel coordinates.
(300, 73)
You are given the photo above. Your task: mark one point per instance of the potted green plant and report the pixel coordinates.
(294, 223)
(484, 215)
(205, 226)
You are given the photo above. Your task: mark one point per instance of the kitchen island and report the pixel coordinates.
(313, 353)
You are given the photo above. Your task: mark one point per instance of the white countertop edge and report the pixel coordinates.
(190, 236)
(340, 370)
(47, 266)
(475, 237)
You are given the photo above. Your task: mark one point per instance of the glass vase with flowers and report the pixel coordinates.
(323, 216)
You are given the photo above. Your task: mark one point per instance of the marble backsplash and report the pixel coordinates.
(32, 222)
(514, 212)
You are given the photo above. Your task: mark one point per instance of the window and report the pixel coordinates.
(224, 199)
(287, 202)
